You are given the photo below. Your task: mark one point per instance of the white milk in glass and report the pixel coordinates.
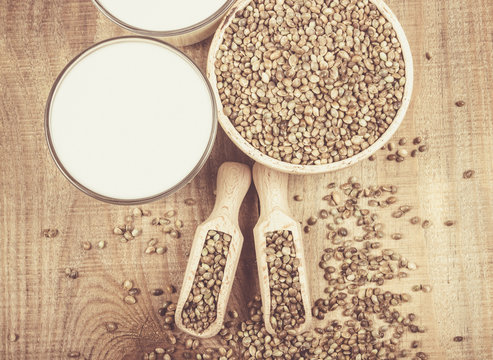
(161, 15)
(131, 119)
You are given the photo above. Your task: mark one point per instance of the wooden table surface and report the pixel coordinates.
(53, 315)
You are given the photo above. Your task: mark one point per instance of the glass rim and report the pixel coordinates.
(109, 199)
(165, 33)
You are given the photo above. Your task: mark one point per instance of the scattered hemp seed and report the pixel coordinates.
(171, 289)
(426, 224)
(405, 208)
(415, 344)
(468, 174)
(396, 236)
(130, 300)
(414, 153)
(323, 214)
(402, 141)
(306, 229)
(170, 214)
(111, 327)
(417, 140)
(157, 292)
(415, 220)
(190, 202)
(397, 214)
(298, 198)
(13, 337)
(150, 250)
(128, 284)
(71, 273)
(449, 223)
(428, 56)
(391, 146)
(73, 354)
(118, 231)
(402, 153)
(458, 338)
(423, 148)
(134, 292)
(312, 220)
(175, 234)
(161, 250)
(372, 158)
(50, 233)
(460, 103)
(86, 245)
(178, 224)
(102, 244)
(137, 212)
(136, 232)
(391, 157)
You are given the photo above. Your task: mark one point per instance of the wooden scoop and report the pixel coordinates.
(233, 181)
(272, 189)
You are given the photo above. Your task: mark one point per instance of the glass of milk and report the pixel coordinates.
(130, 120)
(179, 22)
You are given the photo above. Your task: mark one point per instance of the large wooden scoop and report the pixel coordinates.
(233, 181)
(272, 188)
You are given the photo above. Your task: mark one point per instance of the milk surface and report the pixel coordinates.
(161, 15)
(131, 120)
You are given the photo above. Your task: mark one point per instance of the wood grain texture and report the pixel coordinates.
(54, 315)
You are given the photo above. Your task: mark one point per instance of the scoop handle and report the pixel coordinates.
(233, 182)
(272, 189)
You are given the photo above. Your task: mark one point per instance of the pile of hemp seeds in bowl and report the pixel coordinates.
(310, 82)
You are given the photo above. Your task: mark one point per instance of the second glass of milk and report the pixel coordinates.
(177, 22)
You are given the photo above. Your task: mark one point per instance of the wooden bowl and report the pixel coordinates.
(283, 166)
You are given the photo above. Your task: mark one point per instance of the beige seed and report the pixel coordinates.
(402, 153)
(137, 212)
(468, 174)
(12, 337)
(150, 250)
(312, 220)
(128, 284)
(86, 245)
(73, 354)
(130, 300)
(170, 213)
(101, 244)
(117, 231)
(161, 250)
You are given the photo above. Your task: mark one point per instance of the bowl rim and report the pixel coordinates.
(283, 166)
(109, 199)
(165, 33)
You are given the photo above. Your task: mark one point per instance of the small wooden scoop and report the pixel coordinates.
(233, 181)
(272, 189)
